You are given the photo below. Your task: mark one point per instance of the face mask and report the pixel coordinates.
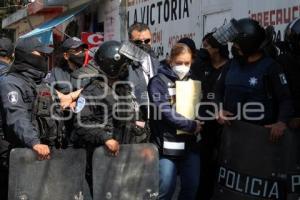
(181, 70)
(145, 47)
(240, 58)
(27, 62)
(78, 60)
(40, 63)
(203, 54)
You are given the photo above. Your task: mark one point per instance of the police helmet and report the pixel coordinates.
(109, 60)
(292, 35)
(251, 36)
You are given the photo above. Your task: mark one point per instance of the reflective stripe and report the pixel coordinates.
(174, 145)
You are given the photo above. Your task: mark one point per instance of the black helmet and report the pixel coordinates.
(110, 61)
(251, 36)
(292, 35)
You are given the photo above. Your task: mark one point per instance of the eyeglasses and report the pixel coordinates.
(146, 41)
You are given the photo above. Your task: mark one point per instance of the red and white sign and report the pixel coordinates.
(277, 13)
(93, 40)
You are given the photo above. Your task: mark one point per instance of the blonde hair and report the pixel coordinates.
(177, 49)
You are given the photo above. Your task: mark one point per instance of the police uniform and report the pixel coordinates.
(262, 82)
(6, 50)
(290, 61)
(66, 80)
(98, 117)
(291, 67)
(88, 130)
(17, 98)
(17, 93)
(95, 123)
(3, 67)
(255, 91)
(91, 112)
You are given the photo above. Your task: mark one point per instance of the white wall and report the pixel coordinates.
(108, 12)
(202, 17)
(269, 12)
(169, 20)
(214, 14)
(213, 6)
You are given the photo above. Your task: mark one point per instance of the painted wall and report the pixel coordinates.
(108, 12)
(169, 20)
(269, 12)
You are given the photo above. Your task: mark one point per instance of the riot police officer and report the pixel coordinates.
(254, 80)
(108, 65)
(6, 57)
(17, 95)
(99, 120)
(110, 88)
(290, 60)
(64, 77)
(73, 58)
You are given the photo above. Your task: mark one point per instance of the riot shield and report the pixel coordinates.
(293, 165)
(61, 178)
(131, 175)
(252, 167)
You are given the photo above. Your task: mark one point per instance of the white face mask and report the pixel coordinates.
(181, 70)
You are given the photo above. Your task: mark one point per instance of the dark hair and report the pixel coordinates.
(137, 26)
(223, 49)
(177, 49)
(189, 42)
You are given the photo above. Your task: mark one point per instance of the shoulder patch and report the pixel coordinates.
(80, 104)
(13, 97)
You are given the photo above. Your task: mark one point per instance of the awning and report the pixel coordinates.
(44, 32)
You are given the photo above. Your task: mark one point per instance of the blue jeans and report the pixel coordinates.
(189, 171)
